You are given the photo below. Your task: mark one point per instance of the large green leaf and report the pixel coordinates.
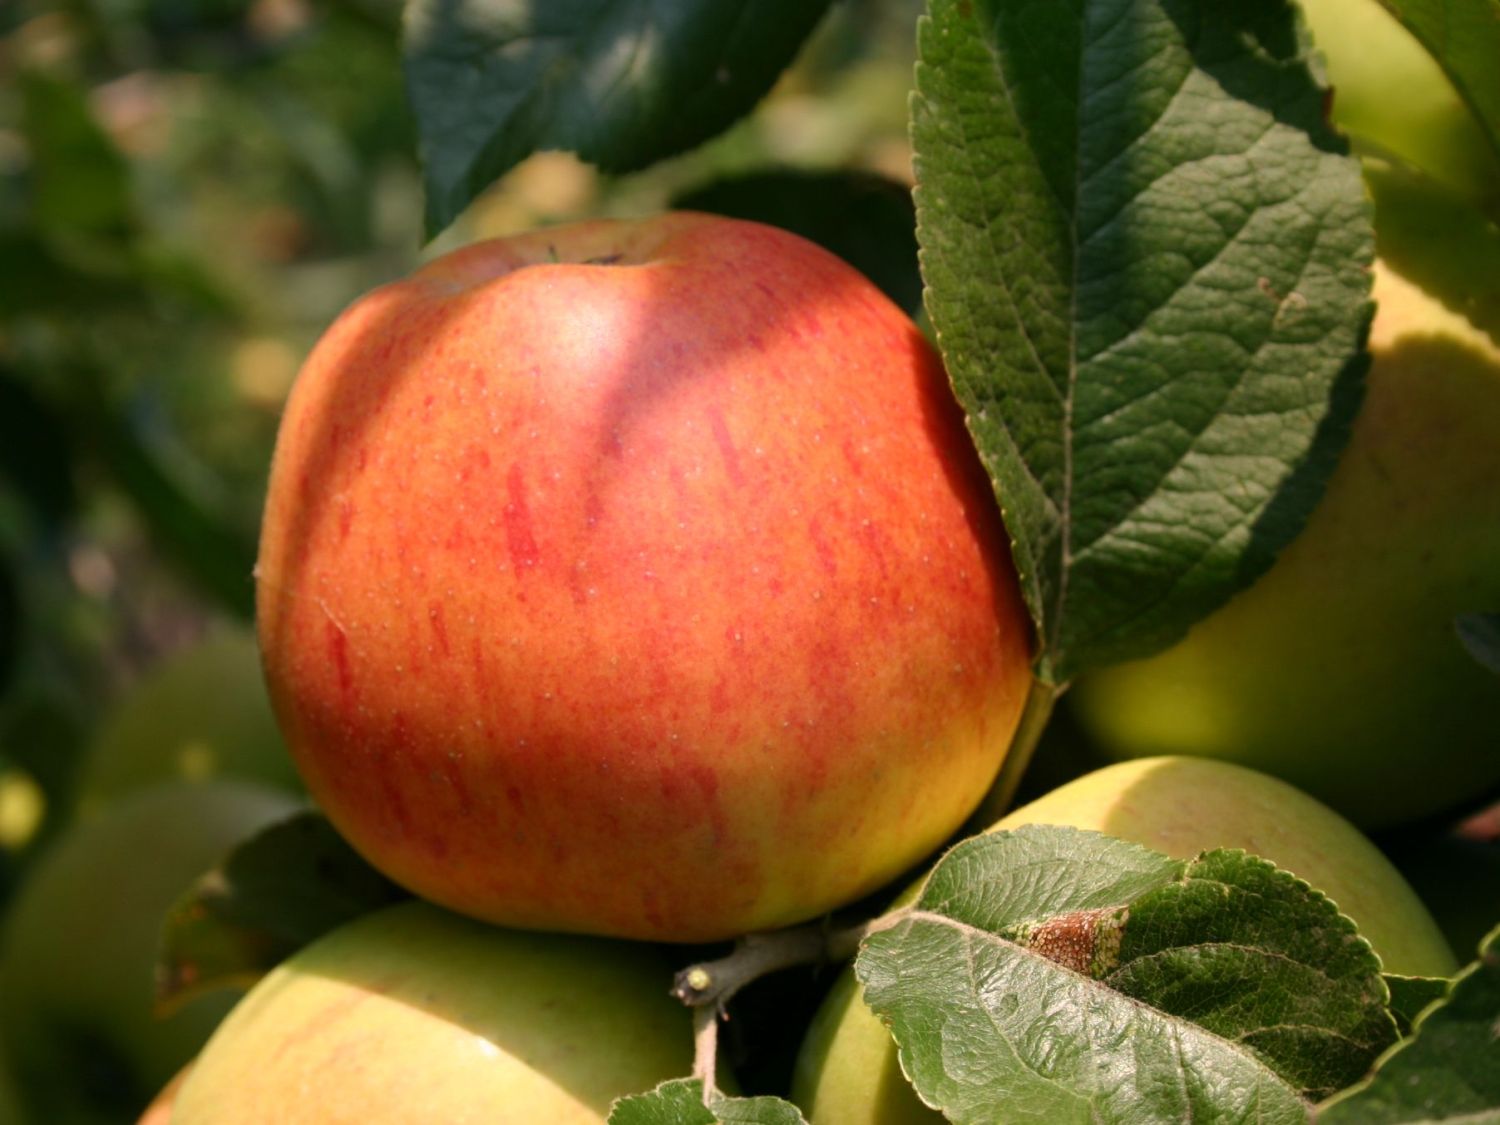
(1147, 263)
(1410, 995)
(621, 82)
(680, 1102)
(1449, 1070)
(1055, 975)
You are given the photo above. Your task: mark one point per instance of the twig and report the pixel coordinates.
(709, 985)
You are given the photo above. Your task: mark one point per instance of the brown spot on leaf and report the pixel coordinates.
(1086, 941)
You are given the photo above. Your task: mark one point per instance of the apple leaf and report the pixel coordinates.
(1464, 37)
(1448, 1070)
(865, 219)
(1480, 633)
(1147, 259)
(623, 84)
(1051, 974)
(1410, 995)
(680, 1102)
(279, 890)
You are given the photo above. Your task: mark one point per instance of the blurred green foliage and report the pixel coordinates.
(190, 190)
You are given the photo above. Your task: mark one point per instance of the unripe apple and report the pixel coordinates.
(848, 1072)
(201, 713)
(637, 578)
(78, 953)
(413, 1016)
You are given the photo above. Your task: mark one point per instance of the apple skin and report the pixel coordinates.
(201, 713)
(1340, 670)
(79, 947)
(416, 1015)
(848, 1072)
(637, 578)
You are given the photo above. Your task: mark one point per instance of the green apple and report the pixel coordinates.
(848, 1073)
(412, 1016)
(1393, 99)
(202, 713)
(637, 578)
(79, 947)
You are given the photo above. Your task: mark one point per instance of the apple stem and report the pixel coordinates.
(709, 985)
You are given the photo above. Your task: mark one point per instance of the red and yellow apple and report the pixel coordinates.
(637, 578)
(413, 1016)
(848, 1072)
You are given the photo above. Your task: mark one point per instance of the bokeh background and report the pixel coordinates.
(190, 191)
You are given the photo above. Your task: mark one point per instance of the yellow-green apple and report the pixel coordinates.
(637, 578)
(848, 1073)
(78, 959)
(201, 713)
(413, 1015)
(1393, 99)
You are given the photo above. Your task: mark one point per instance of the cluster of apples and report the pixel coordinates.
(640, 581)
(632, 583)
